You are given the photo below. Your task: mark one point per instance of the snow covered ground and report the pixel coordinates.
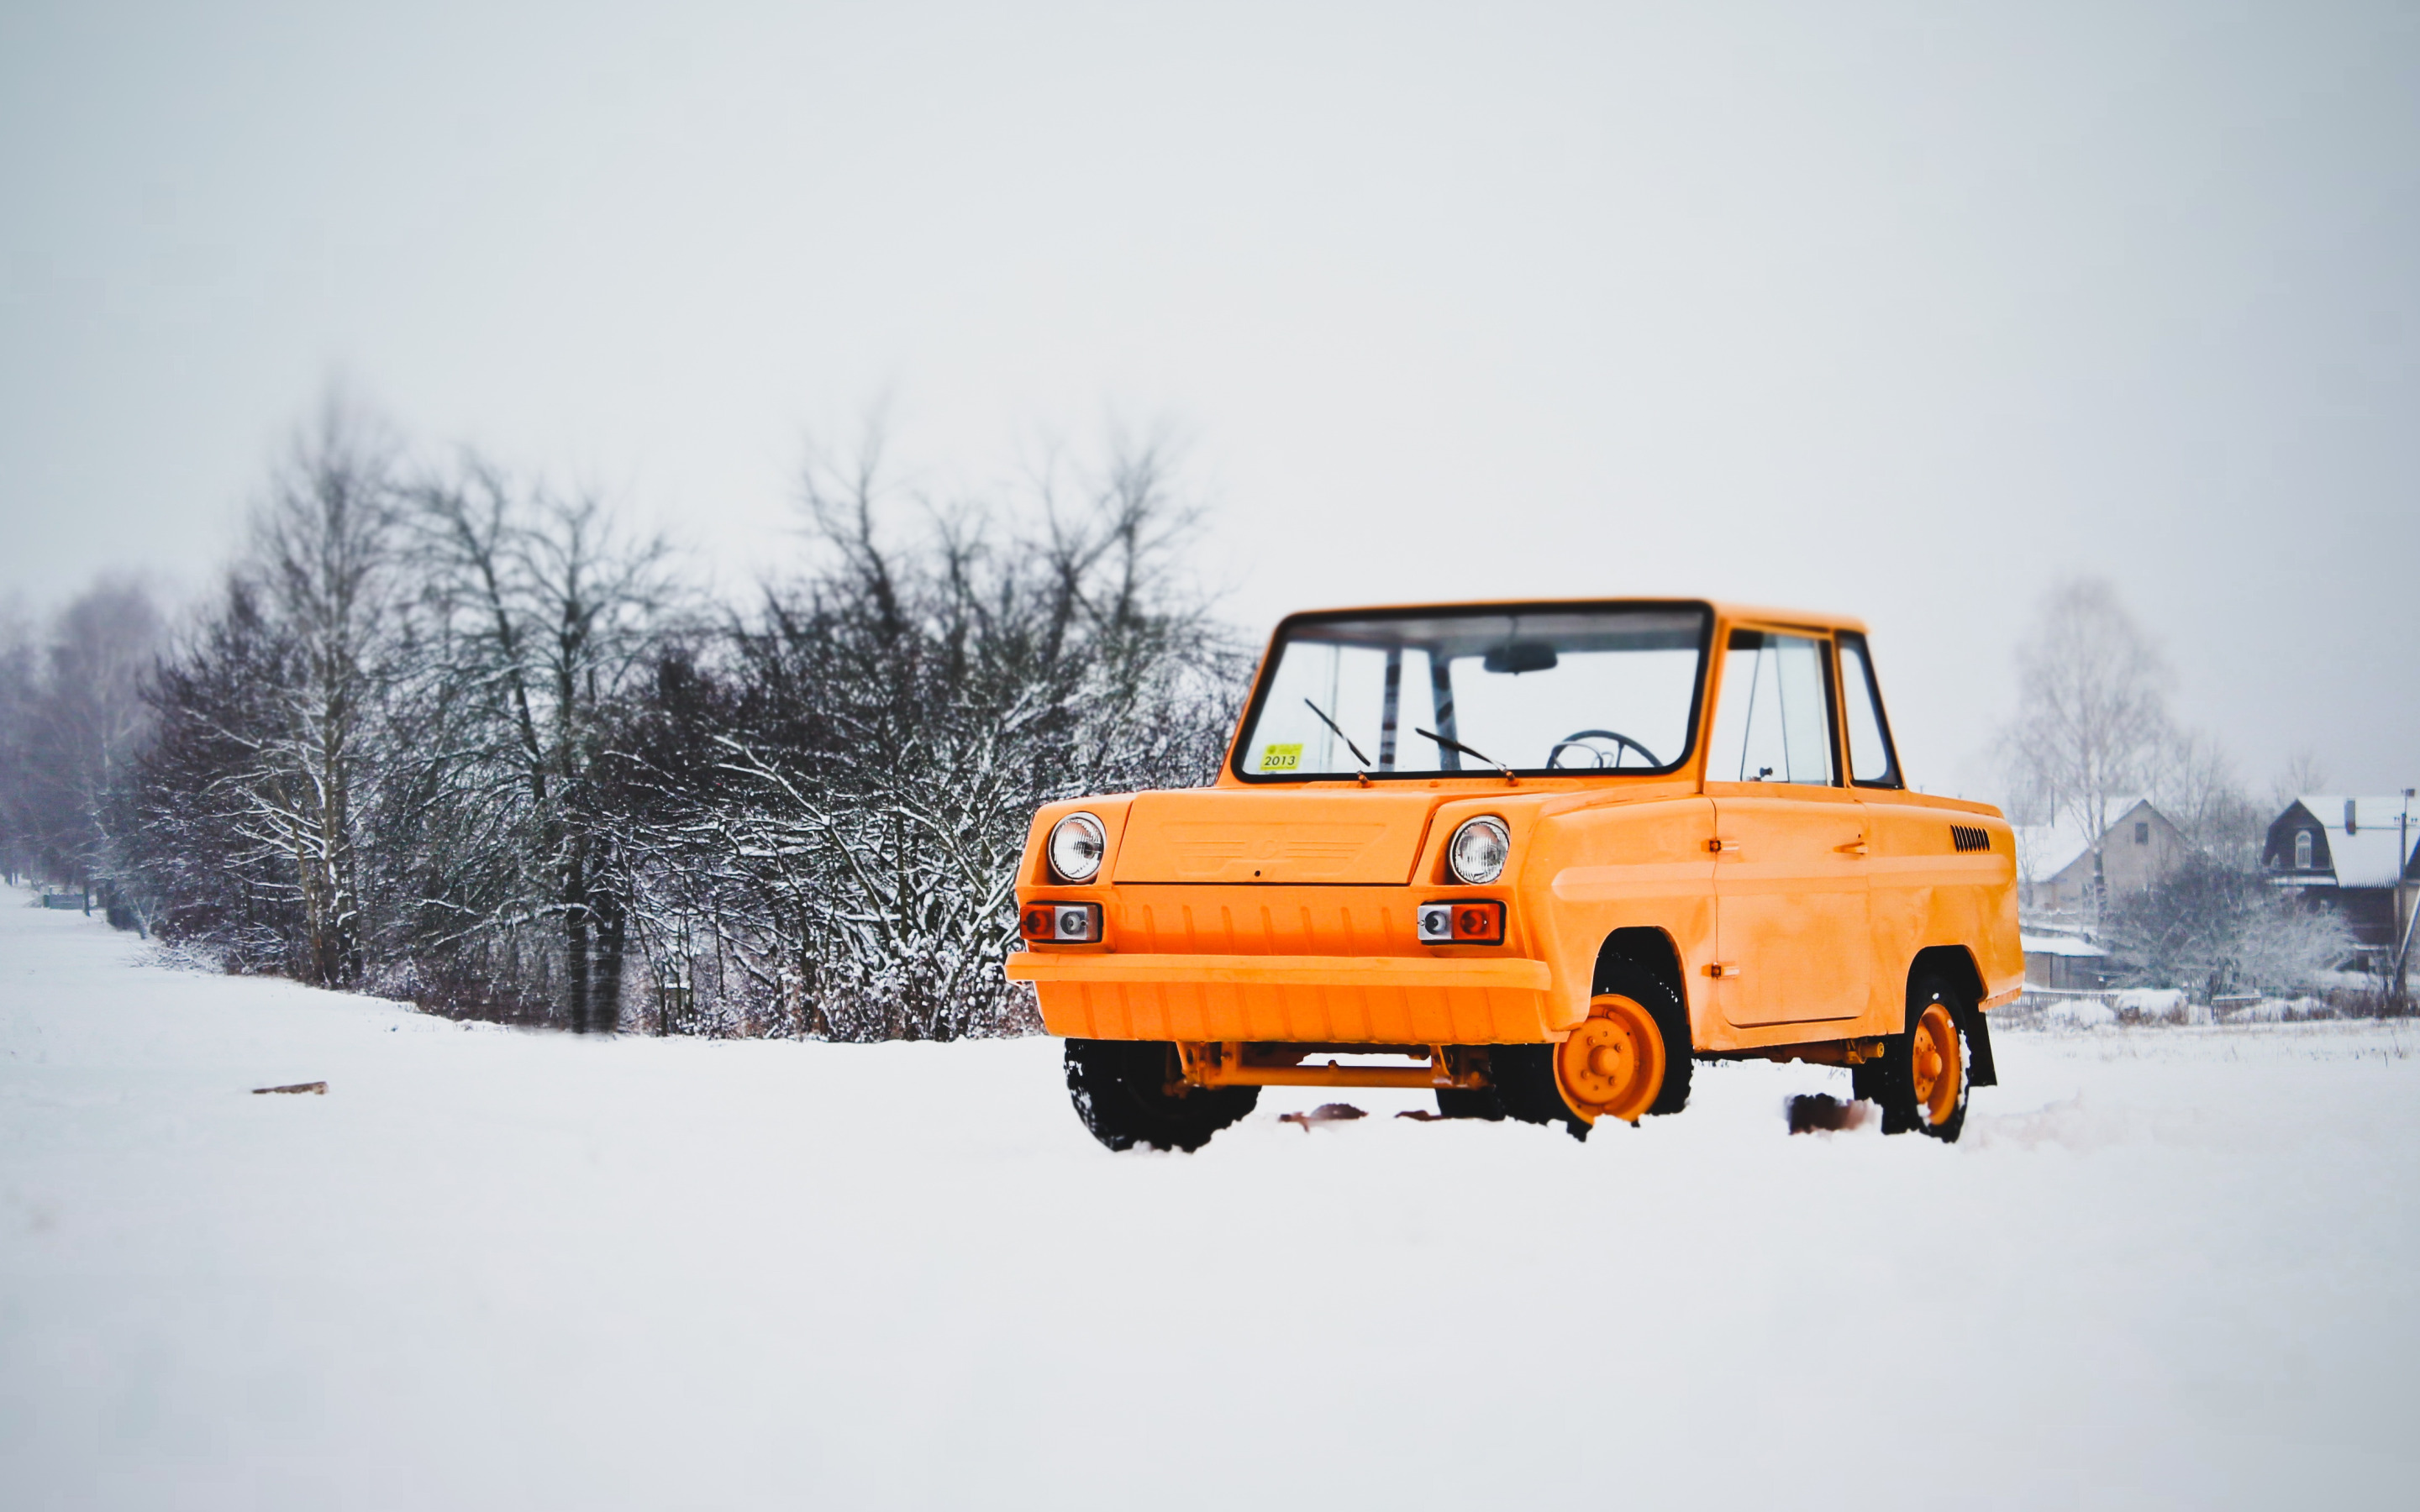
(503, 1269)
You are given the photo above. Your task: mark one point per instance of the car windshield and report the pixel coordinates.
(1420, 692)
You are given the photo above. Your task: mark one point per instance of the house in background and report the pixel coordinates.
(2054, 868)
(2062, 961)
(2352, 855)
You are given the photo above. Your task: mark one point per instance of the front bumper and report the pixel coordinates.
(1318, 998)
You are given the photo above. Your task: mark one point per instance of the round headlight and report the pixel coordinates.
(1479, 850)
(1078, 843)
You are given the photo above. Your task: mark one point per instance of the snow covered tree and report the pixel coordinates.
(190, 825)
(458, 739)
(2215, 927)
(72, 719)
(841, 801)
(252, 809)
(2092, 710)
(534, 614)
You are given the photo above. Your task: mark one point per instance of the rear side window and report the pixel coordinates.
(1773, 723)
(1871, 761)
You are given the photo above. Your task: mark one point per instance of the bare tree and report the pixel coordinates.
(537, 613)
(17, 684)
(2303, 773)
(2194, 785)
(2091, 713)
(71, 719)
(320, 567)
(459, 740)
(189, 828)
(834, 846)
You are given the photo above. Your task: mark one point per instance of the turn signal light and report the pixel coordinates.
(1462, 921)
(1063, 923)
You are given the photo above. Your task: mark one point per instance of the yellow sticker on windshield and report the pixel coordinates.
(1277, 757)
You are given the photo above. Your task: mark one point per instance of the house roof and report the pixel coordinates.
(2044, 850)
(2057, 945)
(2367, 857)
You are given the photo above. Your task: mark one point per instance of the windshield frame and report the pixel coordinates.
(1265, 675)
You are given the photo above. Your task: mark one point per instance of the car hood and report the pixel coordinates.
(1221, 834)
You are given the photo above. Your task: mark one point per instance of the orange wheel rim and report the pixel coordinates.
(1612, 1066)
(1932, 1061)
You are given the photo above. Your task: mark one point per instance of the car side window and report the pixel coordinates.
(1871, 761)
(1773, 723)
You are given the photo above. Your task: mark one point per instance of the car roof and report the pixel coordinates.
(1748, 613)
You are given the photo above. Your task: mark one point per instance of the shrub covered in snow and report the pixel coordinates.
(2078, 1014)
(828, 804)
(2215, 928)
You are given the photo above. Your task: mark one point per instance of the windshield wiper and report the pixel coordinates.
(1339, 733)
(1456, 745)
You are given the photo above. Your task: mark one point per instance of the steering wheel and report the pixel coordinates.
(1575, 739)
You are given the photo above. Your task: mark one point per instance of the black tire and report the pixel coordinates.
(1649, 989)
(1470, 1103)
(1891, 1081)
(1121, 1089)
(1524, 1084)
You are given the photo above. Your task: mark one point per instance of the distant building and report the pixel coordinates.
(2349, 854)
(2065, 962)
(2054, 870)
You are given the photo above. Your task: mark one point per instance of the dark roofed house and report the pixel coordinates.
(2353, 854)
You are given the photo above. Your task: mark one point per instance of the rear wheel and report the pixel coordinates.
(1925, 1074)
(1132, 1092)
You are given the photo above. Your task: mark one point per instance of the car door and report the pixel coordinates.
(1939, 876)
(1792, 914)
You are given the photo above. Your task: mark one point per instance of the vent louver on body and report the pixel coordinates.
(1970, 837)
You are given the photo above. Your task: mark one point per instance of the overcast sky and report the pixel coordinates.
(1905, 311)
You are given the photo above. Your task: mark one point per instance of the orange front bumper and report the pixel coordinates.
(1315, 999)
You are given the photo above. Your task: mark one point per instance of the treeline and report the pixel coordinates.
(447, 734)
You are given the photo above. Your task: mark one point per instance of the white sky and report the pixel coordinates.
(1901, 310)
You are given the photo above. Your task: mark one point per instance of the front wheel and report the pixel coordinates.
(1133, 1092)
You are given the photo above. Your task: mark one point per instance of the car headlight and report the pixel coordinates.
(1078, 843)
(1479, 850)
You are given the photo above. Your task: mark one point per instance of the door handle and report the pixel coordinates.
(1855, 847)
(1724, 847)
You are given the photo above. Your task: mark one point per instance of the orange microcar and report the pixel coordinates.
(1540, 858)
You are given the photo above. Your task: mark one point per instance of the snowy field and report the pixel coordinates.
(500, 1269)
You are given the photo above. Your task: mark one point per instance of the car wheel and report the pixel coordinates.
(1130, 1092)
(1925, 1074)
(1525, 1082)
(1612, 1066)
(1621, 977)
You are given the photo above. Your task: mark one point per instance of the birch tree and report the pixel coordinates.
(2091, 709)
(323, 566)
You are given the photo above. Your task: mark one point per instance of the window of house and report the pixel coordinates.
(1773, 723)
(2302, 850)
(2142, 832)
